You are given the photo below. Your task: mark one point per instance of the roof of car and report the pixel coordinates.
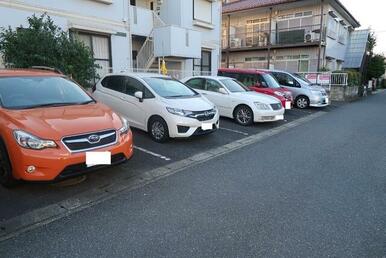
(210, 77)
(241, 70)
(27, 72)
(140, 75)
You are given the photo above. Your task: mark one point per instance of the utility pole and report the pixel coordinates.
(269, 39)
(321, 32)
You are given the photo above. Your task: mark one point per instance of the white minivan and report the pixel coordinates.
(158, 104)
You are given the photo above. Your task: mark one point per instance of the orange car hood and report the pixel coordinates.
(57, 122)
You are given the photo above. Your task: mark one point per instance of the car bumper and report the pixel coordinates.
(268, 116)
(183, 127)
(56, 164)
(319, 101)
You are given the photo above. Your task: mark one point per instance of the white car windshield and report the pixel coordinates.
(169, 88)
(233, 85)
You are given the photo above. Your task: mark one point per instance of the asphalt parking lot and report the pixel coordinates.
(148, 155)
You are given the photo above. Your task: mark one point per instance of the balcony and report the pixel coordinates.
(296, 36)
(171, 40)
(141, 21)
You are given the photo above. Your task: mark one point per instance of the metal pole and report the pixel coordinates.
(228, 40)
(269, 39)
(321, 33)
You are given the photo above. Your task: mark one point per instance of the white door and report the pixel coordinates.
(221, 100)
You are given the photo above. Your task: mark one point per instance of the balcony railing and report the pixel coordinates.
(285, 36)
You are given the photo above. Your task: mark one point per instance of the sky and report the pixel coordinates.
(370, 13)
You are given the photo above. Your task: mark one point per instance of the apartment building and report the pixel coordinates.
(133, 34)
(100, 24)
(186, 33)
(293, 35)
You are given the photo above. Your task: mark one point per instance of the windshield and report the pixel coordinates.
(271, 82)
(169, 88)
(301, 77)
(233, 85)
(33, 92)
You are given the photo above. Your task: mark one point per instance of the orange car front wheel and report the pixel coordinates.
(6, 178)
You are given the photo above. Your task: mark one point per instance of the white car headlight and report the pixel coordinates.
(178, 111)
(125, 126)
(278, 93)
(29, 141)
(262, 106)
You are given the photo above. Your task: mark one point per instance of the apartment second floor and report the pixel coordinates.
(177, 28)
(288, 24)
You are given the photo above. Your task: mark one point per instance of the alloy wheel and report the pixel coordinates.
(157, 130)
(302, 103)
(244, 115)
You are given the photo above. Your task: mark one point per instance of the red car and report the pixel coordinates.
(261, 82)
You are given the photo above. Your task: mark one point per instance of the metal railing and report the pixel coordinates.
(145, 57)
(287, 36)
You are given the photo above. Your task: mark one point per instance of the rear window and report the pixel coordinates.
(31, 92)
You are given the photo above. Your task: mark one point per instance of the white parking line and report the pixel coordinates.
(234, 131)
(152, 153)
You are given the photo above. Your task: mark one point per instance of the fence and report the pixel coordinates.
(327, 79)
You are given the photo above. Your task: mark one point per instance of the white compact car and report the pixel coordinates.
(158, 104)
(236, 101)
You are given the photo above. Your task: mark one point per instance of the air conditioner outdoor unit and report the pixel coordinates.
(308, 37)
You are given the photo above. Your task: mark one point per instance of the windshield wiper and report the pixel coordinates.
(58, 104)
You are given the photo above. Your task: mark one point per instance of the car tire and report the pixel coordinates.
(6, 177)
(158, 129)
(302, 102)
(243, 115)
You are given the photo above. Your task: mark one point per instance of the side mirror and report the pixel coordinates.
(222, 91)
(139, 95)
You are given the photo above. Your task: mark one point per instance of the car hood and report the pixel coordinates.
(56, 122)
(257, 97)
(199, 103)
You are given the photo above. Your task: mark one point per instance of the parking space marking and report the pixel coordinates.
(152, 153)
(234, 131)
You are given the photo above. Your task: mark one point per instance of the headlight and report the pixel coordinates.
(125, 126)
(262, 106)
(278, 93)
(178, 111)
(29, 141)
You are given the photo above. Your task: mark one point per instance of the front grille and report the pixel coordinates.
(89, 141)
(203, 115)
(80, 169)
(276, 106)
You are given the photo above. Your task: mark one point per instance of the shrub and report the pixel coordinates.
(43, 43)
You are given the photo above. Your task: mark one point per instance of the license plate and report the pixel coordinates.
(98, 158)
(288, 105)
(326, 100)
(280, 117)
(206, 126)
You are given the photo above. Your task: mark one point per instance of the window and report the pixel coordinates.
(169, 88)
(132, 86)
(233, 85)
(30, 92)
(202, 10)
(100, 47)
(332, 27)
(197, 83)
(133, 2)
(205, 63)
(213, 86)
(285, 80)
(115, 83)
(303, 65)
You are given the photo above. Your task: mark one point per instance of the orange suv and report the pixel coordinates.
(50, 126)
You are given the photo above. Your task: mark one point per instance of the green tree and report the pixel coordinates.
(43, 43)
(376, 67)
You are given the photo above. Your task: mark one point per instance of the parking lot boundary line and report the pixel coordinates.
(36, 218)
(152, 153)
(233, 131)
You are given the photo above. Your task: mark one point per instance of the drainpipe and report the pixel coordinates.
(269, 39)
(228, 40)
(321, 32)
